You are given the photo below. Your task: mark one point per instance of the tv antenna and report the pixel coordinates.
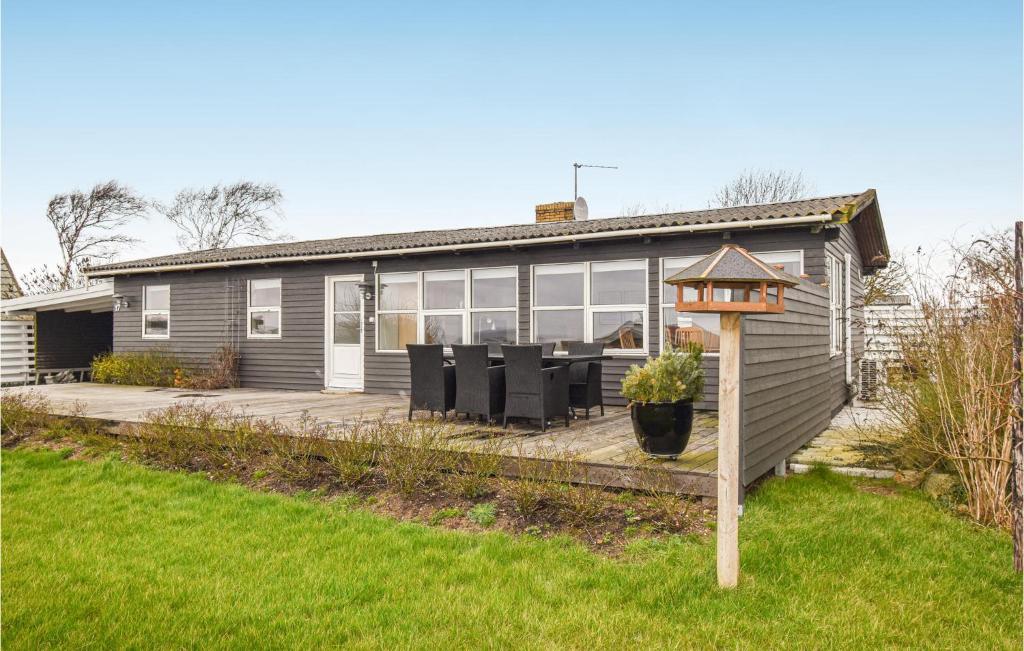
(576, 173)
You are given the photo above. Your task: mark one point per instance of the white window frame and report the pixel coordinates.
(835, 271)
(477, 310)
(249, 309)
(415, 311)
(663, 303)
(146, 312)
(590, 309)
(466, 312)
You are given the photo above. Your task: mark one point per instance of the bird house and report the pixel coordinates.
(731, 280)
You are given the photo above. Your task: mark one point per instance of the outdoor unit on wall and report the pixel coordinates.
(869, 378)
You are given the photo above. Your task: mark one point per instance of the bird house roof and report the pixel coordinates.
(732, 263)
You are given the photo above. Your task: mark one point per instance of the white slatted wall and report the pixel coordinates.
(17, 351)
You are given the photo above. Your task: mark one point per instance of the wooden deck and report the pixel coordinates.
(606, 443)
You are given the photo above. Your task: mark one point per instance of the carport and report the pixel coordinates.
(71, 327)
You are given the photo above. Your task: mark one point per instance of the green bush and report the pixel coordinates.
(676, 374)
(151, 368)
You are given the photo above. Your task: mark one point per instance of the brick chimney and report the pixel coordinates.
(560, 211)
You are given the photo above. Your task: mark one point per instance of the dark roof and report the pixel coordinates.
(731, 262)
(841, 207)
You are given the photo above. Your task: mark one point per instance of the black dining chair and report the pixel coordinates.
(479, 387)
(433, 383)
(585, 378)
(532, 390)
(493, 348)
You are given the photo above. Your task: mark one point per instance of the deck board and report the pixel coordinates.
(606, 443)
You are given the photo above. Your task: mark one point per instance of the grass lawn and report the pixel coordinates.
(110, 554)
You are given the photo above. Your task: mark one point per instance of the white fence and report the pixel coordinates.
(17, 351)
(884, 323)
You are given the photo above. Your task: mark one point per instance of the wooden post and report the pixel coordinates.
(729, 419)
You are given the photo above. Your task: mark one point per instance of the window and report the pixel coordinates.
(494, 305)
(156, 311)
(681, 328)
(264, 308)
(836, 272)
(396, 310)
(447, 307)
(591, 301)
(559, 314)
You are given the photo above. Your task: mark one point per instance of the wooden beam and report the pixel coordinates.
(728, 450)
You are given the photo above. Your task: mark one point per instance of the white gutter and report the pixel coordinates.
(530, 241)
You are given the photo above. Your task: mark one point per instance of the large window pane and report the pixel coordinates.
(619, 330)
(672, 266)
(558, 284)
(156, 324)
(395, 331)
(618, 283)
(494, 327)
(790, 260)
(444, 290)
(494, 287)
(442, 329)
(158, 297)
(559, 326)
(346, 328)
(265, 323)
(398, 292)
(346, 296)
(681, 328)
(265, 292)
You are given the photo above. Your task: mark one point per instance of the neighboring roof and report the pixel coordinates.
(824, 210)
(93, 298)
(731, 263)
(9, 287)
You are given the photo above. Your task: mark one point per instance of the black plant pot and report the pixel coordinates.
(663, 428)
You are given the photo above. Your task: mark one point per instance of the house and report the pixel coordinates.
(337, 313)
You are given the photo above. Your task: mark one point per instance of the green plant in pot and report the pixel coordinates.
(661, 395)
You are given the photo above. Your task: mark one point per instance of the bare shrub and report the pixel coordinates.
(221, 372)
(354, 457)
(187, 435)
(414, 456)
(527, 489)
(572, 489)
(298, 454)
(472, 474)
(20, 413)
(953, 399)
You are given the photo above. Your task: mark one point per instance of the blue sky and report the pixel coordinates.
(379, 117)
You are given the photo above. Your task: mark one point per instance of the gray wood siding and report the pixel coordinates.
(71, 339)
(208, 307)
(787, 384)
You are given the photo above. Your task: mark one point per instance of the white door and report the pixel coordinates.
(344, 332)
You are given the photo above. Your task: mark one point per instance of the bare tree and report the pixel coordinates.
(640, 208)
(86, 225)
(886, 282)
(761, 186)
(217, 217)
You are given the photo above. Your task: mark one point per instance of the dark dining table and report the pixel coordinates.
(549, 360)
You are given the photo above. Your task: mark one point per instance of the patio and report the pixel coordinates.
(606, 443)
